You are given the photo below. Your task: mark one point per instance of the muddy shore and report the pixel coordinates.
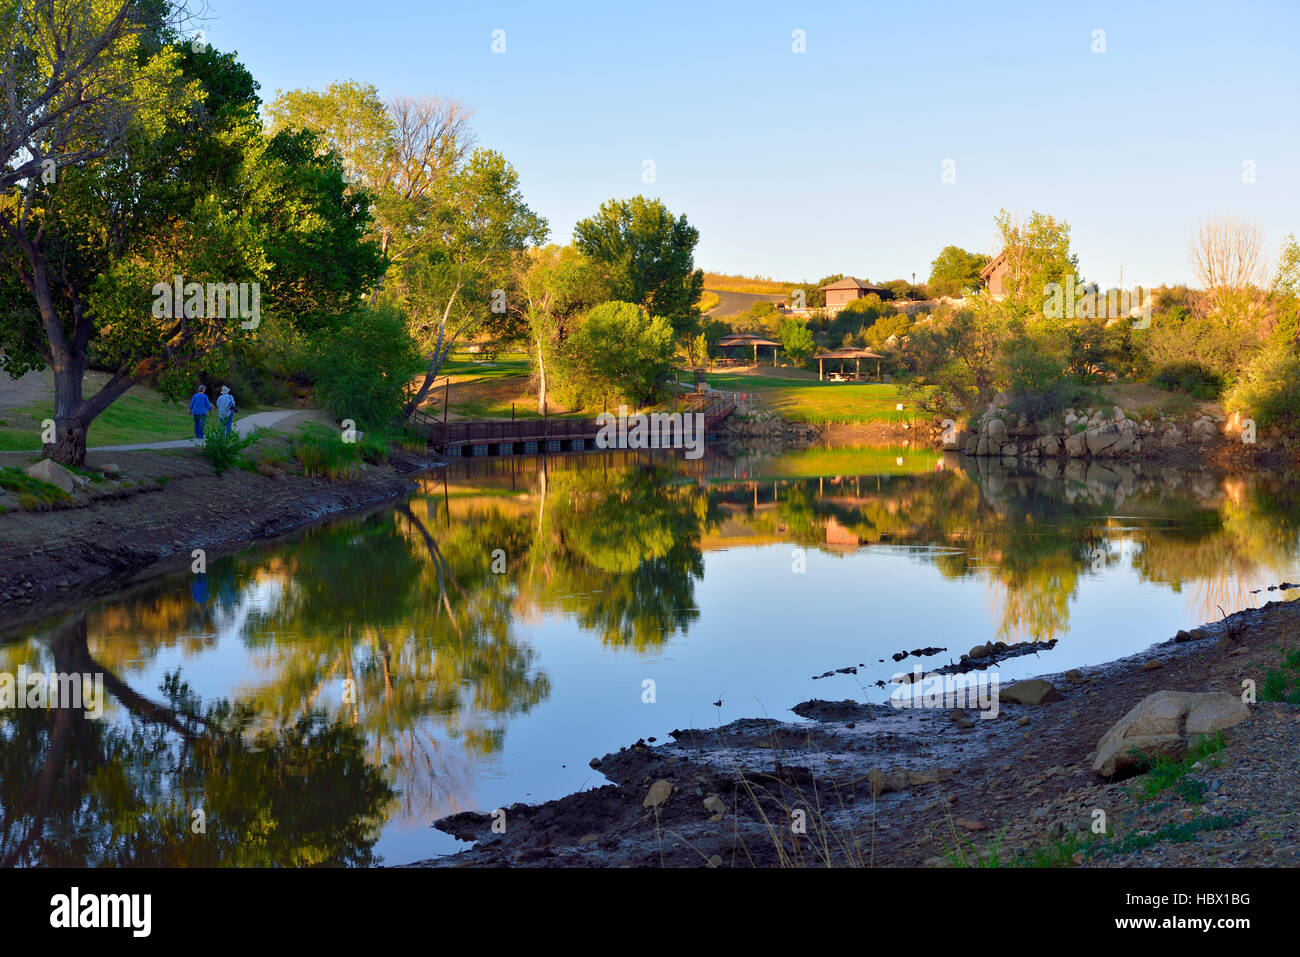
(150, 520)
(872, 785)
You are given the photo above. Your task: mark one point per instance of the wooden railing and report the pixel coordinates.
(715, 407)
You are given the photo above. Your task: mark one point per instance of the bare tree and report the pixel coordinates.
(1227, 255)
(431, 138)
(69, 80)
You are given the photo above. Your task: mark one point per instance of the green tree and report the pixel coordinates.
(648, 257)
(556, 286)
(455, 284)
(796, 340)
(619, 352)
(364, 367)
(1038, 253)
(955, 270)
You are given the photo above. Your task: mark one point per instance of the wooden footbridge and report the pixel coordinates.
(547, 433)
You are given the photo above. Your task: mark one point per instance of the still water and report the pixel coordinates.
(323, 700)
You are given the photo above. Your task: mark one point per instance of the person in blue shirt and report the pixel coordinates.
(226, 408)
(199, 408)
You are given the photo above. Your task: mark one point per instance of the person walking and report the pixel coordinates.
(199, 408)
(226, 409)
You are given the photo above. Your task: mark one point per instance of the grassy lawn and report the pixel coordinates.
(139, 416)
(483, 388)
(807, 400)
(858, 461)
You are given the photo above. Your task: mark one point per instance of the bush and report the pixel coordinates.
(1190, 377)
(1269, 391)
(1037, 383)
(221, 448)
(364, 368)
(618, 353)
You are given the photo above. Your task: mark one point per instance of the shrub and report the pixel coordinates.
(618, 353)
(1190, 377)
(221, 448)
(1269, 391)
(1036, 382)
(364, 368)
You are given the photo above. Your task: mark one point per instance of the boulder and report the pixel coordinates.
(1101, 439)
(1164, 724)
(1031, 691)
(47, 470)
(1076, 446)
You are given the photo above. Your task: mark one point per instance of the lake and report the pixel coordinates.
(323, 699)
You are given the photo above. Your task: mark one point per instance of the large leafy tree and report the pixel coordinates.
(1038, 253)
(648, 257)
(202, 195)
(955, 270)
(454, 285)
(619, 352)
(76, 76)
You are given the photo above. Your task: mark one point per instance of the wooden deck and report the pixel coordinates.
(546, 434)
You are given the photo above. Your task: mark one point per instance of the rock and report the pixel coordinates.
(47, 470)
(1031, 691)
(1163, 724)
(996, 431)
(659, 792)
(884, 781)
(589, 839)
(1183, 636)
(1076, 445)
(1075, 675)
(111, 471)
(1152, 665)
(979, 651)
(715, 804)
(970, 825)
(715, 860)
(1101, 439)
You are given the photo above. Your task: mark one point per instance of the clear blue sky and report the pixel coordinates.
(799, 165)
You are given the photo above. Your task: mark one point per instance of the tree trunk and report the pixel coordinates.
(541, 372)
(69, 445)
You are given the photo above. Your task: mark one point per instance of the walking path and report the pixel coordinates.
(243, 426)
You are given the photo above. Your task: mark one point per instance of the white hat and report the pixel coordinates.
(225, 390)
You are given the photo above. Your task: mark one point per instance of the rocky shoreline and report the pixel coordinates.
(155, 510)
(871, 785)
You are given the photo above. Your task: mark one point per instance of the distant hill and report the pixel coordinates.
(755, 285)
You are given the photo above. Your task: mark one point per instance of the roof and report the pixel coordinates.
(848, 282)
(849, 354)
(746, 339)
(993, 264)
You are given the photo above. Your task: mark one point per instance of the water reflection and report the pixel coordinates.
(362, 679)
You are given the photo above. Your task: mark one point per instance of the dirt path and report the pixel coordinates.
(730, 303)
